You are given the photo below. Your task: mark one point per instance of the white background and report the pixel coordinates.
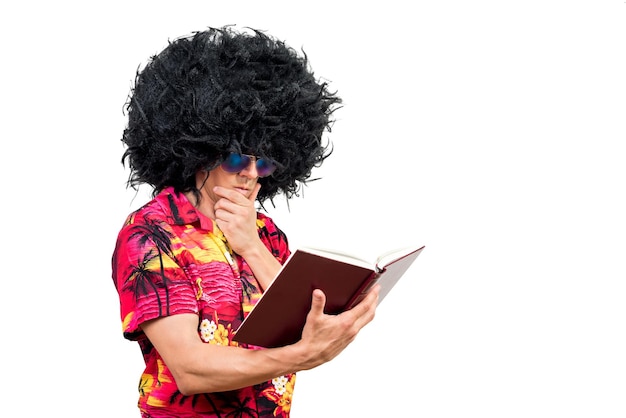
(490, 131)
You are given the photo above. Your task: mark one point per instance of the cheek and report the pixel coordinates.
(217, 177)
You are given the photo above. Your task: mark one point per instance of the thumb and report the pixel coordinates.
(318, 302)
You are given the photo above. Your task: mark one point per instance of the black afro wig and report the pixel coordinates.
(219, 91)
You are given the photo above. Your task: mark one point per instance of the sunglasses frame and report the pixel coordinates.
(264, 167)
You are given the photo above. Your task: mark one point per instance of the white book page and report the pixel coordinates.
(389, 256)
(340, 255)
(374, 262)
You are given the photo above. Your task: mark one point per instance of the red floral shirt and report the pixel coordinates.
(170, 259)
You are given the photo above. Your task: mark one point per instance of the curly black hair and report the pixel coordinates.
(218, 91)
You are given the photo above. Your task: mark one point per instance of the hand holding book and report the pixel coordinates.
(280, 314)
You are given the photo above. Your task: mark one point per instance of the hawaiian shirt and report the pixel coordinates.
(171, 259)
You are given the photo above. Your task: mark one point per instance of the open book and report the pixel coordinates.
(280, 314)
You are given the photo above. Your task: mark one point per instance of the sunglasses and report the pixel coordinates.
(235, 163)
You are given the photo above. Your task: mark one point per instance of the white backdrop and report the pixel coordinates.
(489, 131)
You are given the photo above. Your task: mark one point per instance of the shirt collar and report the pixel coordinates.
(181, 211)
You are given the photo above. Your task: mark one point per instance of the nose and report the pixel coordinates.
(250, 171)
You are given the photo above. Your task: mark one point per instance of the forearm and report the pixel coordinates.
(223, 368)
(262, 262)
(198, 367)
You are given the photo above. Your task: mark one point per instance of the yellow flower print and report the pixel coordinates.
(284, 403)
(207, 330)
(220, 336)
(280, 383)
(282, 393)
(213, 333)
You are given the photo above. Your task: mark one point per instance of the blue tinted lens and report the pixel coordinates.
(234, 163)
(264, 167)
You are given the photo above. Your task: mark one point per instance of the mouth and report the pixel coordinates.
(242, 190)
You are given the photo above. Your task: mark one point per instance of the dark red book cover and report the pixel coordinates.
(279, 316)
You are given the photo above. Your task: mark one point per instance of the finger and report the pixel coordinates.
(372, 295)
(366, 308)
(226, 193)
(235, 196)
(223, 215)
(226, 204)
(255, 192)
(318, 301)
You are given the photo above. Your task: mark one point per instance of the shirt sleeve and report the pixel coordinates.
(150, 282)
(273, 237)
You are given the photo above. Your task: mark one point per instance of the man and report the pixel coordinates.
(218, 121)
